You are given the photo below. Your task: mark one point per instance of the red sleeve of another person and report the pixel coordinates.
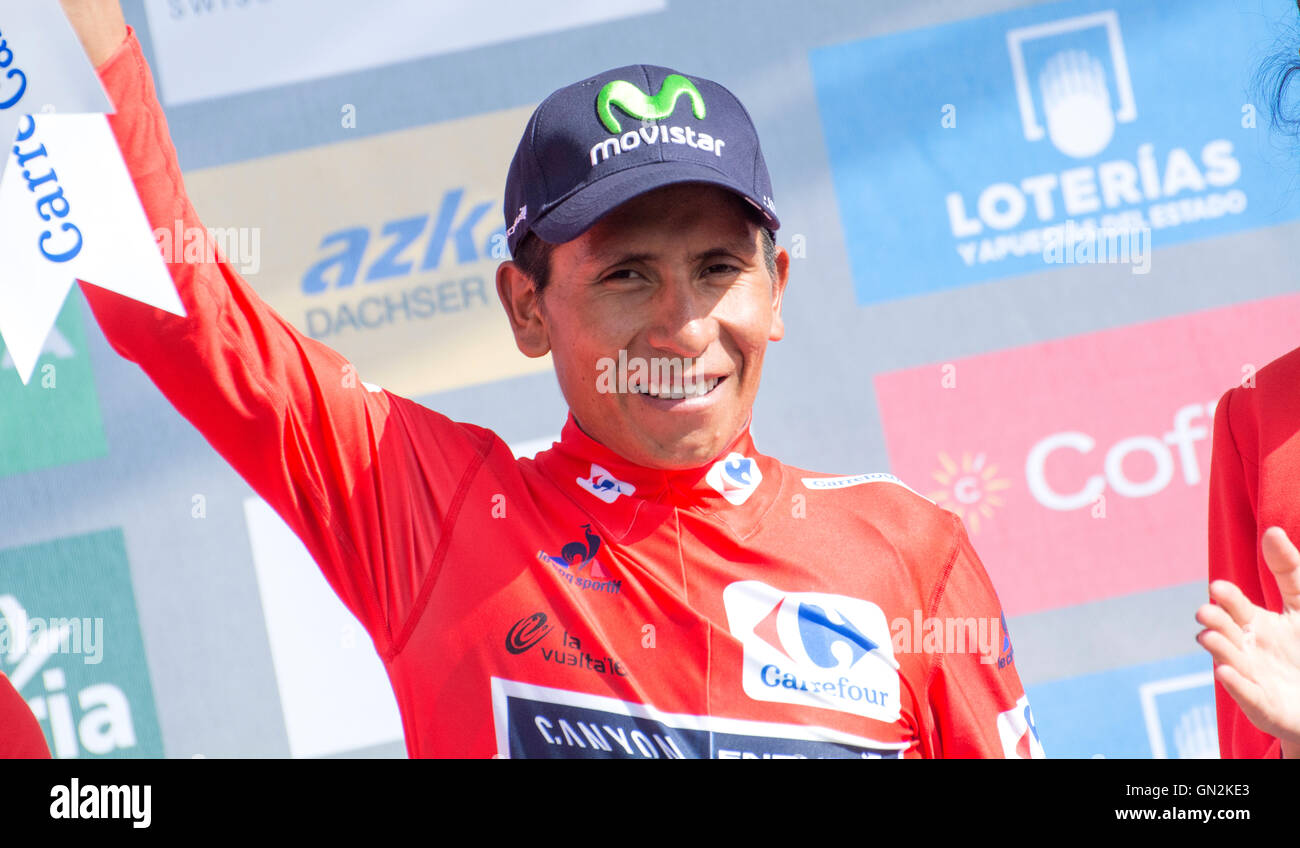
(1234, 546)
(20, 734)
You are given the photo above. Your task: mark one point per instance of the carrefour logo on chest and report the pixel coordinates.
(814, 649)
(636, 103)
(1079, 133)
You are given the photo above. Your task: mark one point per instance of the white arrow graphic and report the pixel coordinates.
(68, 209)
(42, 66)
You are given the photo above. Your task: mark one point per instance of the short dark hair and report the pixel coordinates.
(534, 257)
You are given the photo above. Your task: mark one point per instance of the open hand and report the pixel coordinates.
(1257, 652)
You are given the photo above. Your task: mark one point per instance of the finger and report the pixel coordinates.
(1232, 599)
(1247, 693)
(1223, 651)
(1217, 618)
(1284, 561)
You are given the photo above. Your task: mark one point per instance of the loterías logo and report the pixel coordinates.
(814, 649)
(1088, 134)
(1073, 84)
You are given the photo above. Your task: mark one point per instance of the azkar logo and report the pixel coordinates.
(604, 485)
(405, 248)
(575, 557)
(814, 649)
(1018, 734)
(409, 240)
(735, 478)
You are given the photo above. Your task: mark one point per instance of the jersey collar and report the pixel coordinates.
(736, 489)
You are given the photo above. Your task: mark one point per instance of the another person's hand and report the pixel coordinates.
(1256, 652)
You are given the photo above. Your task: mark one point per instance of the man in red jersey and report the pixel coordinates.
(652, 586)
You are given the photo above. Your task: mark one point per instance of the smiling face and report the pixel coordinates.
(675, 274)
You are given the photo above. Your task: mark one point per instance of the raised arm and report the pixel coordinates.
(366, 479)
(99, 25)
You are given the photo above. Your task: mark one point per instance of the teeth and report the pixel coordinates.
(698, 389)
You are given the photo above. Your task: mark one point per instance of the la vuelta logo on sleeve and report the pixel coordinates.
(814, 649)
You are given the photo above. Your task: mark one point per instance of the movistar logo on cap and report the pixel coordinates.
(642, 106)
(636, 103)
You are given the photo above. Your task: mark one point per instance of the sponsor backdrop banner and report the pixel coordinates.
(1163, 710)
(280, 39)
(1094, 114)
(402, 278)
(350, 159)
(1092, 478)
(54, 419)
(72, 646)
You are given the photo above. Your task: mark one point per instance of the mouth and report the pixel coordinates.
(687, 390)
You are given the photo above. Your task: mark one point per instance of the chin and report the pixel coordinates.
(692, 450)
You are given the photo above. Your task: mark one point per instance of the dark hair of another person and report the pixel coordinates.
(1276, 79)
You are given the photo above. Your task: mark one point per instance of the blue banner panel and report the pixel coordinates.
(1074, 132)
(1162, 709)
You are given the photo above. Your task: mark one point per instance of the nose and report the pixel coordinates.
(680, 320)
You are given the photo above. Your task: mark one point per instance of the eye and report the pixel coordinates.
(722, 268)
(622, 274)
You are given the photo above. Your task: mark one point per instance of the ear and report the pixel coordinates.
(778, 293)
(523, 305)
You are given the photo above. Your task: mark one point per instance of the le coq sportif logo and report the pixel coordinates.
(635, 102)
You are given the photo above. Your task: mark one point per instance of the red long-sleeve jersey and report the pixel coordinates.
(579, 605)
(1253, 486)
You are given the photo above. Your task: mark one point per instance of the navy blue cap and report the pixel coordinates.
(597, 144)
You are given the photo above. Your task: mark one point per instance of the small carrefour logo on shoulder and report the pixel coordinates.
(604, 485)
(735, 478)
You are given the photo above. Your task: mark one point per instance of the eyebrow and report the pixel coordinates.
(735, 248)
